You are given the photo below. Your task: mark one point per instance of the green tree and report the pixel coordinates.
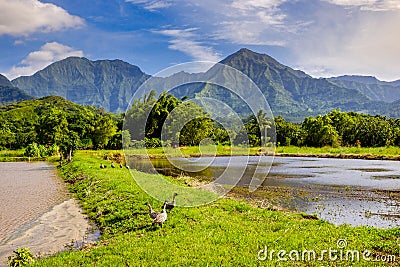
(320, 132)
(7, 136)
(188, 124)
(288, 133)
(344, 124)
(104, 128)
(159, 112)
(136, 117)
(52, 127)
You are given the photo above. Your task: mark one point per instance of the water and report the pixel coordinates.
(36, 211)
(341, 191)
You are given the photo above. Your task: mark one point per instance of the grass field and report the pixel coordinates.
(225, 233)
(209, 150)
(390, 151)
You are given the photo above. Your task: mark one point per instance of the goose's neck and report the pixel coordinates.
(150, 208)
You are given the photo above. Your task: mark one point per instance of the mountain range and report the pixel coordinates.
(9, 93)
(293, 94)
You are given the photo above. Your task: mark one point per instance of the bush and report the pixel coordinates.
(43, 152)
(21, 257)
(32, 150)
(40, 151)
(153, 142)
(53, 150)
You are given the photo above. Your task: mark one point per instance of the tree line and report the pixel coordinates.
(339, 128)
(54, 125)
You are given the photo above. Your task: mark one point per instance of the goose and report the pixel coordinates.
(112, 165)
(120, 165)
(171, 205)
(152, 213)
(161, 217)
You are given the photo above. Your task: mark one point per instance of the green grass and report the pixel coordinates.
(390, 151)
(195, 151)
(15, 155)
(209, 150)
(379, 151)
(225, 233)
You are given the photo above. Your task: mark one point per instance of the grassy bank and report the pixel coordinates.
(224, 233)
(390, 152)
(362, 152)
(196, 151)
(17, 155)
(12, 155)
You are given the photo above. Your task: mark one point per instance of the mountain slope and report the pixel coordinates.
(108, 84)
(4, 81)
(371, 87)
(9, 93)
(292, 93)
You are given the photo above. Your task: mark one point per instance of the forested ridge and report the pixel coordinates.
(52, 124)
(291, 93)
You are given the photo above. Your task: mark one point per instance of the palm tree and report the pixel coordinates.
(264, 124)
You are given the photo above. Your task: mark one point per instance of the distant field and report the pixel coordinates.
(391, 152)
(14, 155)
(225, 233)
(369, 152)
(378, 152)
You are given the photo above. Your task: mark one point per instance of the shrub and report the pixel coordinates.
(20, 257)
(153, 142)
(32, 150)
(39, 151)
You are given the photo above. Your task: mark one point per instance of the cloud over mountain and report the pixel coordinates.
(37, 60)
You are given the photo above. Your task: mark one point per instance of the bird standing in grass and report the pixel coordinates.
(152, 213)
(171, 205)
(161, 217)
(112, 165)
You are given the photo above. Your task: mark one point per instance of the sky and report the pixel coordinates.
(324, 38)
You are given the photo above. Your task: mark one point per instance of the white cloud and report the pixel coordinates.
(23, 17)
(151, 5)
(256, 4)
(185, 41)
(363, 43)
(246, 22)
(368, 5)
(37, 60)
(238, 21)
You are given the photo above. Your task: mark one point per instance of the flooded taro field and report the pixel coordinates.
(341, 191)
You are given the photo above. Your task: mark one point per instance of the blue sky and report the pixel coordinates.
(322, 37)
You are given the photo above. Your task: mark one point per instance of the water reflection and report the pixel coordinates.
(352, 191)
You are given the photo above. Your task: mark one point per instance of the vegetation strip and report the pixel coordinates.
(227, 232)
